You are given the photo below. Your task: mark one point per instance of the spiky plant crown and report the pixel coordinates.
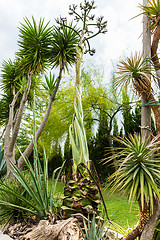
(138, 171)
(135, 70)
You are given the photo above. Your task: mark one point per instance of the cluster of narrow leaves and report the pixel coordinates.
(152, 10)
(37, 196)
(65, 40)
(94, 230)
(78, 136)
(138, 171)
(34, 45)
(135, 70)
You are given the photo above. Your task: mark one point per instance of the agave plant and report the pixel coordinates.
(95, 230)
(86, 200)
(138, 174)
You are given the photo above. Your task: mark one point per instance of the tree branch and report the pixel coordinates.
(20, 114)
(29, 149)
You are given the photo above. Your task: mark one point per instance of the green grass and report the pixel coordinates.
(118, 208)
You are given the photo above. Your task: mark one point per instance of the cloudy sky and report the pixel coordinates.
(122, 38)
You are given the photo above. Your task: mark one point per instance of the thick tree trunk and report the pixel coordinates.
(156, 111)
(149, 228)
(29, 148)
(143, 219)
(154, 46)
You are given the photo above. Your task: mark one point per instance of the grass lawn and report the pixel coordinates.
(119, 210)
(117, 207)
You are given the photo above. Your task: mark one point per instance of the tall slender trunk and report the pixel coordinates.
(29, 148)
(146, 118)
(146, 111)
(9, 155)
(13, 126)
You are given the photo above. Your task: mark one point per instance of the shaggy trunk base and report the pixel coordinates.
(143, 219)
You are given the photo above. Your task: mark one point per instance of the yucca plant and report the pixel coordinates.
(34, 45)
(135, 70)
(138, 174)
(94, 230)
(63, 47)
(152, 10)
(37, 197)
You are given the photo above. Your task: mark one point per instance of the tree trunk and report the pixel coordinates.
(146, 111)
(143, 219)
(9, 155)
(29, 148)
(150, 226)
(66, 229)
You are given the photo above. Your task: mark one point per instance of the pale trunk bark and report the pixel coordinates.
(13, 127)
(9, 155)
(146, 111)
(146, 122)
(20, 114)
(29, 149)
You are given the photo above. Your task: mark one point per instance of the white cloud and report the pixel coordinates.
(120, 40)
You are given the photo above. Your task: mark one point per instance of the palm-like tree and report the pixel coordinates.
(34, 45)
(137, 175)
(135, 71)
(63, 47)
(40, 46)
(61, 53)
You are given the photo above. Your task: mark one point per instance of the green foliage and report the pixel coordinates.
(153, 11)
(3, 167)
(138, 172)
(13, 208)
(56, 159)
(128, 123)
(94, 230)
(10, 76)
(64, 42)
(39, 197)
(34, 45)
(78, 136)
(133, 70)
(156, 235)
(97, 149)
(50, 83)
(4, 110)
